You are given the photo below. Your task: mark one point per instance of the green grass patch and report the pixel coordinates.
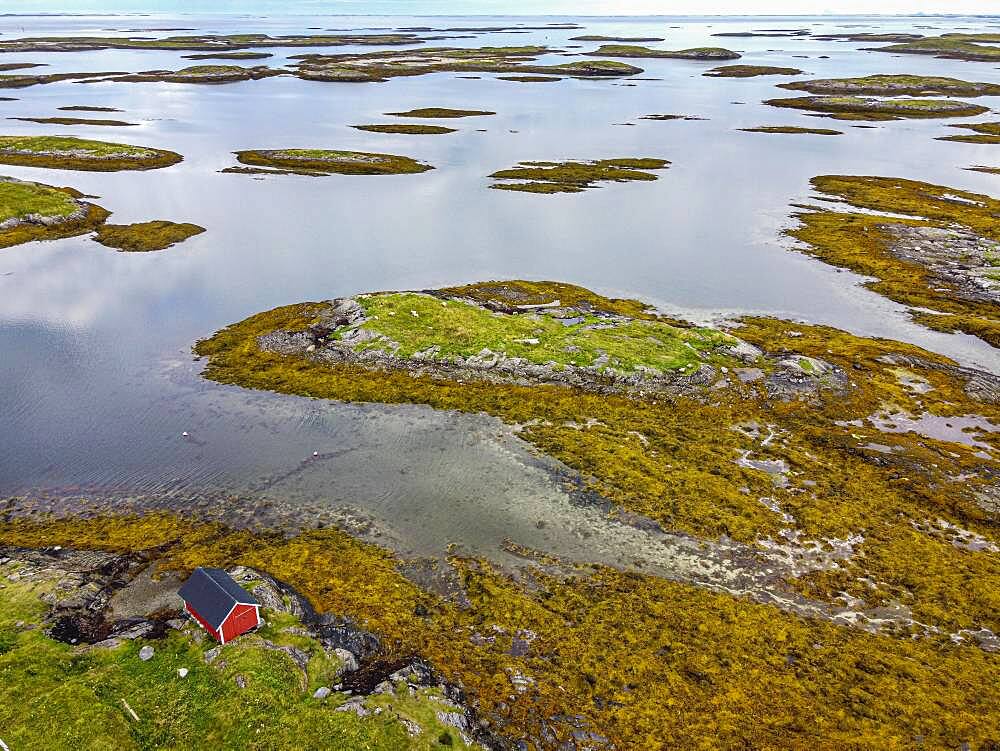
(55, 696)
(19, 199)
(416, 322)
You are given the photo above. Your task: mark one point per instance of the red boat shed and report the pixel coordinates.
(219, 604)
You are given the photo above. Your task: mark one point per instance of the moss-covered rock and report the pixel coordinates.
(574, 177)
(64, 152)
(145, 236)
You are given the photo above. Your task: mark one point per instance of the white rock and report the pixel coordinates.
(321, 693)
(350, 662)
(146, 653)
(182, 672)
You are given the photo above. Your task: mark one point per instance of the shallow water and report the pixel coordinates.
(97, 383)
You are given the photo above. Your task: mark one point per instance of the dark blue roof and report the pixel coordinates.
(213, 592)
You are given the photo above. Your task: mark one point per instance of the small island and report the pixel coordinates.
(32, 211)
(876, 109)
(429, 130)
(145, 236)
(750, 71)
(895, 85)
(326, 162)
(792, 129)
(74, 121)
(942, 260)
(440, 112)
(204, 74)
(574, 177)
(66, 152)
(983, 133)
(694, 53)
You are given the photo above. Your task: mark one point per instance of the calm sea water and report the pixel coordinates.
(97, 382)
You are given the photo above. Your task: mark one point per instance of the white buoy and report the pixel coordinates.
(184, 434)
(315, 453)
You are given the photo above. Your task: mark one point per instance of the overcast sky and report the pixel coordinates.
(511, 7)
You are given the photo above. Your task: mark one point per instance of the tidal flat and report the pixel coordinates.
(729, 478)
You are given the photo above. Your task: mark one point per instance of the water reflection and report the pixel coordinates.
(98, 382)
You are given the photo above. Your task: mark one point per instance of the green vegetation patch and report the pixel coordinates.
(332, 161)
(145, 236)
(73, 121)
(66, 152)
(793, 129)
(431, 130)
(750, 71)
(674, 460)
(56, 696)
(694, 53)
(682, 643)
(407, 323)
(574, 177)
(440, 112)
(870, 108)
(984, 133)
(33, 211)
(895, 85)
